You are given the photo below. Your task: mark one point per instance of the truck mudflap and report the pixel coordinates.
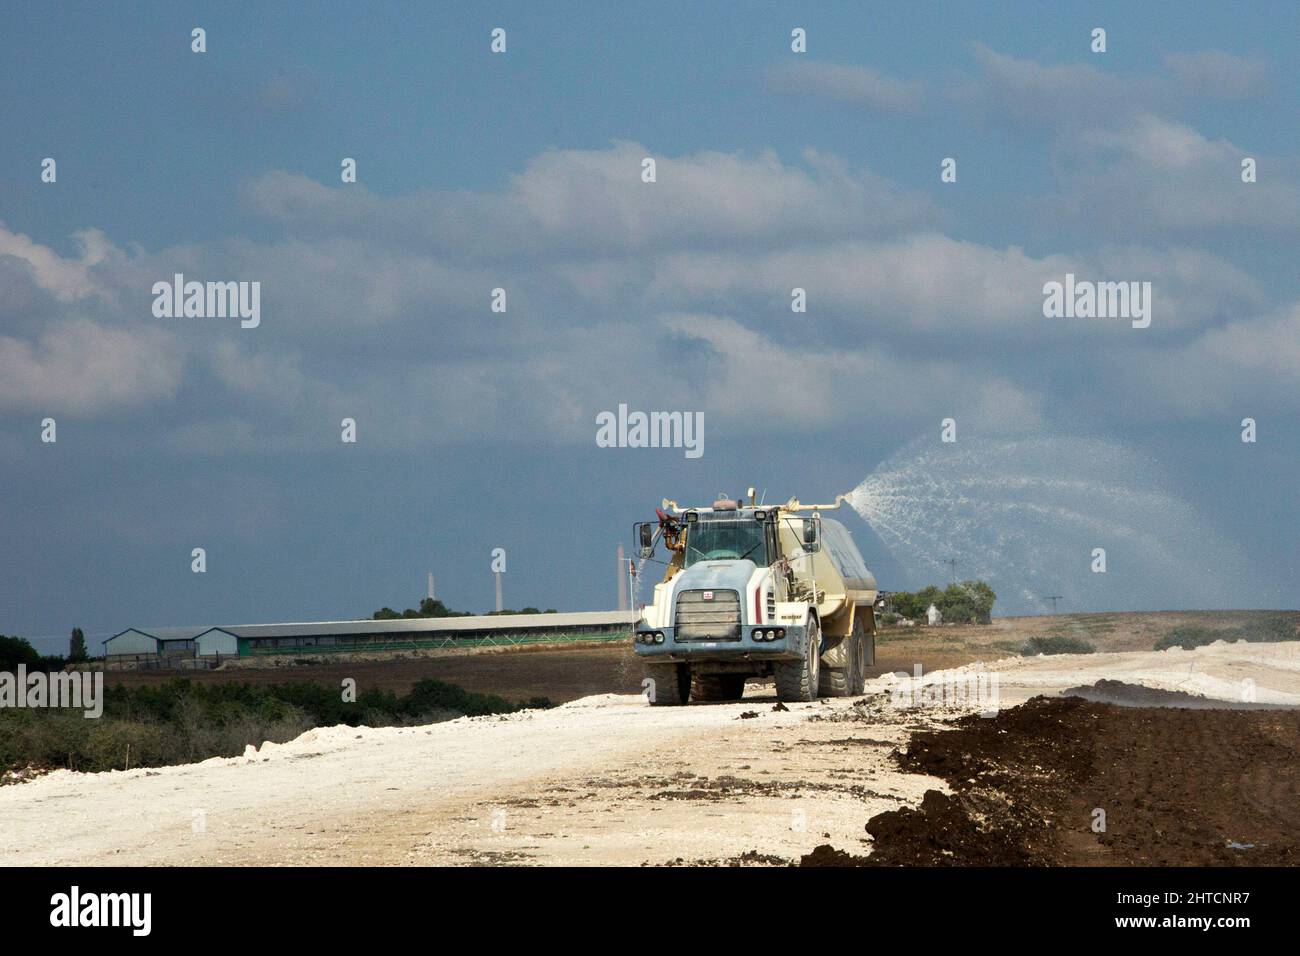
(788, 646)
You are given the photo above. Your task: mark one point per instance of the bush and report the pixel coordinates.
(1055, 644)
(1189, 637)
(1262, 629)
(434, 695)
(970, 602)
(180, 721)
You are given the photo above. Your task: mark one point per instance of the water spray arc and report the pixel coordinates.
(1024, 515)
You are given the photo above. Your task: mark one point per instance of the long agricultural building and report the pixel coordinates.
(176, 644)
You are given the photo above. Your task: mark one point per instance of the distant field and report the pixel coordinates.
(562, 673)
(1107, 631)
(568, 673)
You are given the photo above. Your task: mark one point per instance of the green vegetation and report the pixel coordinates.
(181, 721)
(428, 608)
(970, 602)
(1055, 644)
(431, 608)
(1095, 625)
(18, 650)
(1264, 629)
(77, 645)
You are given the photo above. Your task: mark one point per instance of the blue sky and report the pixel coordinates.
(521, 170)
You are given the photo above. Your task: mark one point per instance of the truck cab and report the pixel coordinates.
(758, 591)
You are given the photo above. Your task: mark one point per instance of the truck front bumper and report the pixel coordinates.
(671, 651)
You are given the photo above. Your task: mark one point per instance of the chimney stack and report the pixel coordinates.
(622, 579)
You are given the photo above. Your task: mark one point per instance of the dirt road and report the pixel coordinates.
(604, 779)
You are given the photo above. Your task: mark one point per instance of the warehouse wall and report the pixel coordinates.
(131, 642)
(214, 642)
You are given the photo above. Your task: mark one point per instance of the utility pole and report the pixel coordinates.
(622, 579)
(1053, 598)
(499, 604)
(952, 562)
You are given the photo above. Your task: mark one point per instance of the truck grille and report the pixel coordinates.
(712, 618)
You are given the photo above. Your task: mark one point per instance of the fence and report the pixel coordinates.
(255, 647)
(348, 644)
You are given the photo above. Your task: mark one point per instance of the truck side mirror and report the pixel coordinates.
(647, 532)
(809, 534)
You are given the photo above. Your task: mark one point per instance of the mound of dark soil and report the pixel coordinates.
(1072, 781)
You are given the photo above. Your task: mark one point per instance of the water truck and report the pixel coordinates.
(755, 590)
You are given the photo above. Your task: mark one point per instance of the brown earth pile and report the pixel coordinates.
(1178, 786)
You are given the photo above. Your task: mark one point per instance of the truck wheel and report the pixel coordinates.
(672, 684)
(850, 681)
(834, 681)
(797, 680)
(717, 686)
(864, 654)
(842, 681)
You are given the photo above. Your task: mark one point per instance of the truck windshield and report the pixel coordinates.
(726, 540)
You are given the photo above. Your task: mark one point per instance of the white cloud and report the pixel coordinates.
(754, 383)
(88, 369)
(1217, 74)
(66, 279)
(568, 202)
(1065, 94)
(377, 309)
(851, 84)
(1244, 368)
(1146, 173)
(930, 282)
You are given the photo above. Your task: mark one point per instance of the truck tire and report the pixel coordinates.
(864, 657)
(849, 681)
(717, 686)
(797, 680)
(844, 682)
(838, 681)
(672, 684)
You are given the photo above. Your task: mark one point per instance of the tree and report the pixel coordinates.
(984, 598)
(970, 601)
(428, 608)
(927, 596)
(77, 645)
(904, 604)
(18, 650)
(957, 604)
(15, 651)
